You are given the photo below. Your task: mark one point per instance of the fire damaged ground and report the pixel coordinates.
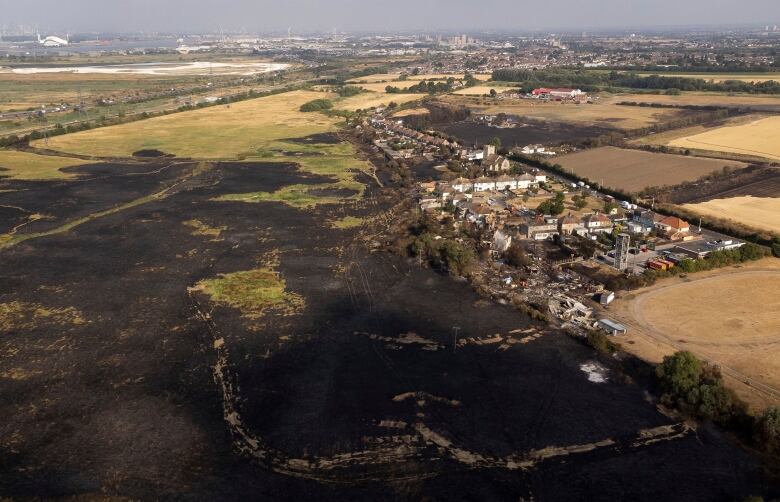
(527, 132)
(121, 376)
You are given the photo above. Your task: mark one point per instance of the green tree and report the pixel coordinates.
(317, 105)
(601, 342)
(679, 373)
(496, 141)
(455, 256)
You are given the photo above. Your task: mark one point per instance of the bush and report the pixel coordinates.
(516, 256)
(317, 105)
(696, 388)
(601, 342)
(349, 90)
(768, 430)
(455, 256)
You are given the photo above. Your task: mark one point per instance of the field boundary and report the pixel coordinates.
(647, 329)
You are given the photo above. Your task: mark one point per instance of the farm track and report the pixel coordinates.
(637, 312)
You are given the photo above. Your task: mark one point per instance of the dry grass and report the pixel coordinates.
(602, 114)
(381, 87)
(393, 77)
(719, 315)
(367, 100)
(203, 230)
(699, 99)
(479, 90)
(20, 92)
(20, 316)
(634, 170)
(29, 166)
(347, 223)
(253, 292)
(758, 212)
(411, 112)
(248, 128)
(722, 77)
(756, 138)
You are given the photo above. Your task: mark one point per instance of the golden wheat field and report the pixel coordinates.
(757, 138)
(757, 212)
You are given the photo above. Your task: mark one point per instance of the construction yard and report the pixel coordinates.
(721, 316)
(634, 170)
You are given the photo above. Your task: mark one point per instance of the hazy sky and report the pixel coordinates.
(387, 15)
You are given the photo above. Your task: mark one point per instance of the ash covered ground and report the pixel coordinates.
(120, 379)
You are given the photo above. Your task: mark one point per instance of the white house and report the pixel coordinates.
(484, 184)
(462, 185)
(598, 223)
(525, 181)
(506, 183)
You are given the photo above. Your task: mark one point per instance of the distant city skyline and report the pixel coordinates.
(307, 16)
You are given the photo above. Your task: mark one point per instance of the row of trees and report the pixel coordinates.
(423, 87)
(718, 259)
(597, 81)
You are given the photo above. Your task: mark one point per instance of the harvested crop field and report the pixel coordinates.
(526, 133)
(721, 316)
(755, 138)
(753, 101)
(634, 170)
(757, 212)
(596, 114)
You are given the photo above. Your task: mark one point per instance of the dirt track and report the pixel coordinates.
(738, 332)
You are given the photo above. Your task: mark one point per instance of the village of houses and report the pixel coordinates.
(504, 202)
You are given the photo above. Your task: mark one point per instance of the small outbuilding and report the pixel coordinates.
(606, 298)
(611, 327)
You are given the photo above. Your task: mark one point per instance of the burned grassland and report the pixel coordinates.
(179, 343)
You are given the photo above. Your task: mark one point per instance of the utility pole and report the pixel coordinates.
(455, 331)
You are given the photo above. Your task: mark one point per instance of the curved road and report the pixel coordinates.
(637, 317)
